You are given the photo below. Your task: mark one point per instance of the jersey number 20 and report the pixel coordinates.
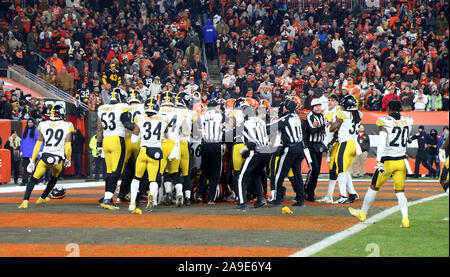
(399, 131)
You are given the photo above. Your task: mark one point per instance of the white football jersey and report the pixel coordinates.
(397, 135)
(174, 122)
(348, 130)
(110, 118)
(55, 134)
(151, 129)
(189, 116)
(330, 117)
(135, 110)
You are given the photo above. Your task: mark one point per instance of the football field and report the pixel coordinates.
(77, 226)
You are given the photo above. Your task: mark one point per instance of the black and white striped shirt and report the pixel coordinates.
(290, 127)
(212, 130)
(315, 134)
(255, 132)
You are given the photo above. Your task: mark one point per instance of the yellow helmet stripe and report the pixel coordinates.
(52, 113)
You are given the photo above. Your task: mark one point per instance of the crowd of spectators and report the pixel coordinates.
(267, 49)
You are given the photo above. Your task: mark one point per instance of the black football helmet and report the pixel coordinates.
(134, 96)
(151, 105)
(240, 103)
(167, 98)
(183, 99)
(58, 192)
(57, 112)
(349, 103)
(118, 96)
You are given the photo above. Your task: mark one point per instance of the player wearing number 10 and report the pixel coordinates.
(391, 160)
(56, 137)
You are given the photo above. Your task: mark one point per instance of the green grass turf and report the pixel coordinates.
(428, 235)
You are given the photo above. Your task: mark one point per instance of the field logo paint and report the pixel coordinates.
(374, 248)
(74, 250)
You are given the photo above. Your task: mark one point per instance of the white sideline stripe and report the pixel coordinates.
(319, 246)
(42, 187)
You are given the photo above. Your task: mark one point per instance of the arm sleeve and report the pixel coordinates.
(36, 150)
(68, 150)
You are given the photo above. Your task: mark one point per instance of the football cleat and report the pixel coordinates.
(358, 214)
(211, 203)
(353, 197)
(405, 223)
(132, 208)
(108, 204)
(326, 199)
(187, 202)
(150, 204)
(343, 200)
(42, 201)
(168, 199)
(199, 200)
(241, 207)
(180, 201)
(24, 205)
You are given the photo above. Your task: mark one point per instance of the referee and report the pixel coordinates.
(292, 153)
(256, 157)
(315, 129)
(211, 127)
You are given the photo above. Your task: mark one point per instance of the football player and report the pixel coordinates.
(443, 157)
(332, 145)
(391, 160)
(347, 124)
(113, 120)
(56, 136)
(170, 163)
(132, 149)
(149, 129)
(182, 102)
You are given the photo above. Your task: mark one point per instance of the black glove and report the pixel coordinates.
(245, 154)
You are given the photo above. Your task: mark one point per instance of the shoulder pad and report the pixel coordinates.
(341, 114)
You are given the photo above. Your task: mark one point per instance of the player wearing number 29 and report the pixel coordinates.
(113, 120)
(347, 124)
(149, 129)
(391, 160)
(56, 137)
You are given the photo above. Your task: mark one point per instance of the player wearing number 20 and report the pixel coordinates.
(149, 129)
(391, 157)
(112, 121)
(56, 137)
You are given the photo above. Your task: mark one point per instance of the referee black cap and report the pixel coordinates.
(290, 105)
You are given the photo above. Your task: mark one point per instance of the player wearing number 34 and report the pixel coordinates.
(56, 137)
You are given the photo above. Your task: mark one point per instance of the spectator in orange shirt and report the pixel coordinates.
(57, 63)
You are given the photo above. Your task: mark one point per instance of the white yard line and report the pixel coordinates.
(42, 187)
(319, 246)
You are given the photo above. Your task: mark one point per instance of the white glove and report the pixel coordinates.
(100, 151)
(30, 167)
(175, 154)
(442, 155)
(67, 163)
(380, 167)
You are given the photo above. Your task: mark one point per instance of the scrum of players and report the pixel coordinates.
(155, 146)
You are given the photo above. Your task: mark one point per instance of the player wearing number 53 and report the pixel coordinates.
(112, 121)
(56, 136)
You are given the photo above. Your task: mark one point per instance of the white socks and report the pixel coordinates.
(368, 200)
(342, 181)
(108, 195)
(179, 189)
(402, 203)
(350, 188)
(331, 185)
(273, 195)
(187, 194)
(134, 190)
(168, 187)
(154, 191)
